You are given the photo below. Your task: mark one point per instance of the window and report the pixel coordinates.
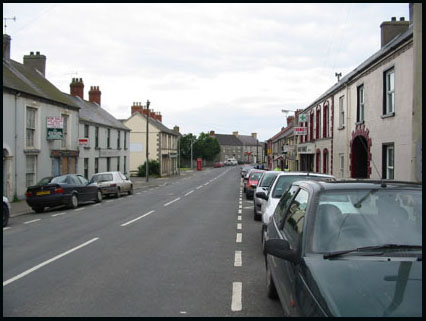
(125, 140)
(96, 165)
(108, 164)
(388, 161)
(118, 163)
(96, 137)
(318, 161)
(293, 225)
(360, 104)
(86, 167)
(341, 112)
(125, 159)
(118, 140)
(31, 126)
(83, 180)
(325, 121)
(342, 165)
(281, 208)
(65, 131)
(30, 173)
(86, 131)
(108, 138)
(318, 123)
(389, 86)
(325, 161)
(311, 123)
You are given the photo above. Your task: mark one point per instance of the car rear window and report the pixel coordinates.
(102, 178)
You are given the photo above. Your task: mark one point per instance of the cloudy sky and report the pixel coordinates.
(221, 67)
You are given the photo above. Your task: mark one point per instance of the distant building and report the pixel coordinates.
(40, 125)
(243, 148)
(103, 139)
(163, 142)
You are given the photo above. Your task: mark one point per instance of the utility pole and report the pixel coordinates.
(191, 150)
(147, 141)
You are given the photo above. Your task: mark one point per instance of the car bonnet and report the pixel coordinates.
(363, 286)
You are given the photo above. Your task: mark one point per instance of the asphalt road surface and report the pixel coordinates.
(188, 248)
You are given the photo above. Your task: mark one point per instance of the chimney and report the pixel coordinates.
(6, 47)
(36, 61)
(235, 134)
(95, 95)
(393, 28)
(212, 133)
(77, 88)
(290, 120)
(159, 117)
(254, 135)
(136, 108)
(176, 129)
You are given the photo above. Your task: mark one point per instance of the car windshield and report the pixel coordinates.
(285, 181)
(255, 176)
(267, 179)
(352, 219)
(101, 178)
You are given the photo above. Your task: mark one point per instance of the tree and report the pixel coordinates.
(206, 147)
(185, 146)
(153, 169)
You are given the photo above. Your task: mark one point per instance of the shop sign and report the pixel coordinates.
(55, 127)
(83, 141)
(305, 149)
(300, 131)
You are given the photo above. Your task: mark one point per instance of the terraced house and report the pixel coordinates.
(40, 125)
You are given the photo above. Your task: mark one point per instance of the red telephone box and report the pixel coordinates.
(199, 164)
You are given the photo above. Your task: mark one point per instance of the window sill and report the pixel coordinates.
(387, 115)
(97, 148)
(341, 127)
(359, 122)
(87, 147)
(31, 151)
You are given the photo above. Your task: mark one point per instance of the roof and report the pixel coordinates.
(248, 140)
(288, 131)
(92, 112)
(24, 79)
(391, 45)
(154, 122)
(230, 140)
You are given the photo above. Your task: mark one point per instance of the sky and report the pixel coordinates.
(221, 67)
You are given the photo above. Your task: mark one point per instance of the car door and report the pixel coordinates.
(126, 182)
(285, 272)
(89, 191)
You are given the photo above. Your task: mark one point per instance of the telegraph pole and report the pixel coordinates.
(147, 141)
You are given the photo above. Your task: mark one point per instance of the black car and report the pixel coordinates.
(347, 249)
(68, 190)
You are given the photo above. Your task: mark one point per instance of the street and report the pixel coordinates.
(187, 248)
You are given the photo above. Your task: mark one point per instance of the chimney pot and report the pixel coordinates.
(95, 95)
(393, 19)
(6, 46)
(402, 19)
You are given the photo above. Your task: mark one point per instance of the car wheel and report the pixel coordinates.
(6, 215)
(117, 194)
(256, 216)
(74, 201)
(98, 196)
(271, 290)
(131, 190)
(38, 209)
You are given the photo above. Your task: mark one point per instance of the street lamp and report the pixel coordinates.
(147, 141)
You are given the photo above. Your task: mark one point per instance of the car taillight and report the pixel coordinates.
(28, 194)
(113, 185)
(59, 190)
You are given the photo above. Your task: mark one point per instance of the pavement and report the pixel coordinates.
(21, 207)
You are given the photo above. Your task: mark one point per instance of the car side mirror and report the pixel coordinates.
(281, 249)
(262, 195)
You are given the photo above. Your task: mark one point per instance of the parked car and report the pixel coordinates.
(245, 168)
(6, 211)
(264, 184)
(112, 183)
(218, 164)
(351, 249)
(252, 181)
(69, 190)
(246, 177)
(279, 186)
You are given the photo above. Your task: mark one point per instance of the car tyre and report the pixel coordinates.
(74, 201)
(38, 209)
(117, 194)
(256, 216)
(6, 215)
(98, 196)
(131, 190)
(271, 290)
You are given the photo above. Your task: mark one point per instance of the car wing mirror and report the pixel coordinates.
(262, 195)
(281, 249)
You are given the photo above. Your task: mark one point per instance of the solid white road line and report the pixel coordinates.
(189, 193)
(238, 259)
(28, 222)
(47, 262)
(239, 238)
(237, 288)
(138, 218)
(167, 204)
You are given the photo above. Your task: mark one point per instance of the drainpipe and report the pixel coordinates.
(15, 183)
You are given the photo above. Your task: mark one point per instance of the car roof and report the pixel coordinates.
(360, 184)
(105, 173)
(305, 174)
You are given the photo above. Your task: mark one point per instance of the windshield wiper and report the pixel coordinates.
(376, 247)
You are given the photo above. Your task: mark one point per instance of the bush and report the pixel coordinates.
(154, 169)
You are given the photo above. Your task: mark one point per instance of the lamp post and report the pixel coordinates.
(147, 141)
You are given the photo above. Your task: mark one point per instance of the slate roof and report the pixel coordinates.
(24, 79)
(228, 140)
(248, 140)
(154, 122)
(92, 112)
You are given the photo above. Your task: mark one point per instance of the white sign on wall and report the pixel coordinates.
(136, 147)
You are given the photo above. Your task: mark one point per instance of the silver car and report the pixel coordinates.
(264, 184)
(113, 183)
